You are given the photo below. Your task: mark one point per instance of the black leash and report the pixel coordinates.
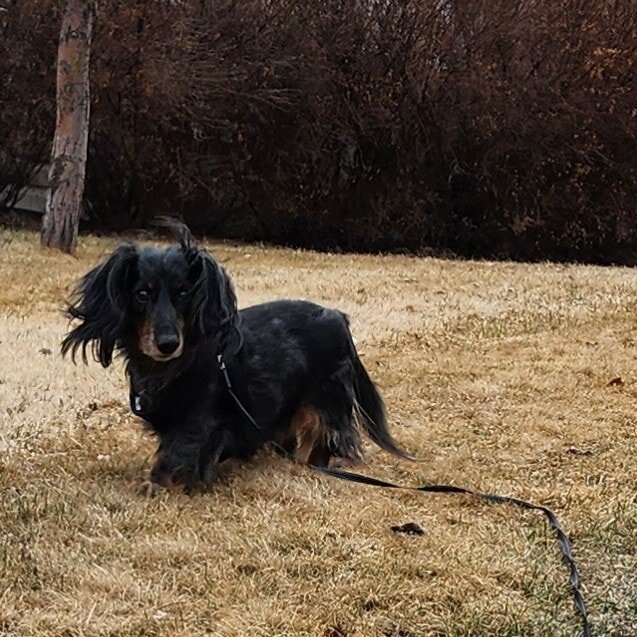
(224, 371)
(562, 539)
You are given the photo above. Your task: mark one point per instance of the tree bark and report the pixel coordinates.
(68, 159)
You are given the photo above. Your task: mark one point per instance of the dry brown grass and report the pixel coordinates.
(496, 376)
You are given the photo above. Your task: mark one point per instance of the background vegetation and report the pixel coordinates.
(498, 128)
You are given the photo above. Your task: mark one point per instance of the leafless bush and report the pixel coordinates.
(499, 128)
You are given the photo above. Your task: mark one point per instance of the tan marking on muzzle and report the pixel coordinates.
(148, 345)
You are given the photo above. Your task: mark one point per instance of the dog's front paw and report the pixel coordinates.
(149, 489)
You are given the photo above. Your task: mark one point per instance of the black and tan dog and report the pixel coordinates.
(293, 366)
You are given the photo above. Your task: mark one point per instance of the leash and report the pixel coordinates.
(224, 371)
(564, 543)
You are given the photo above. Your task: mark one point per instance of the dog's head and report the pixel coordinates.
(154, 303)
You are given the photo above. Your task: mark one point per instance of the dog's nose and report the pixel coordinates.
(167, 343)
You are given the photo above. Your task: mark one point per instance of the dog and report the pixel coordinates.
(214, 382)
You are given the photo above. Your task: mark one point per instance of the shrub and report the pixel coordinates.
(497, 128)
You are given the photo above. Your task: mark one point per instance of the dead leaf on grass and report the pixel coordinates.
(334, 631)
(580, 452)
(410, 528)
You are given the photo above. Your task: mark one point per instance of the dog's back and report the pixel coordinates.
(305, 368)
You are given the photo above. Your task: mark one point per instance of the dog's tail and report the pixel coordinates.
(370, 410)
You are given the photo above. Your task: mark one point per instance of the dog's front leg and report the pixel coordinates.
(186, 461)
(163, 474)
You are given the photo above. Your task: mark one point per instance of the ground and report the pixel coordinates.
(512, 378)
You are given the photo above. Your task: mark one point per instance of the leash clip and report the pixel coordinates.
(224, 370)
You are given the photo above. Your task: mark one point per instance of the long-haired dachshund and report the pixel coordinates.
(292, 365)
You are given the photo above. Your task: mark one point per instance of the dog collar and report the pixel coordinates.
(140, 402)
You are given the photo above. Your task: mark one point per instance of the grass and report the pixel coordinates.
(495, 375)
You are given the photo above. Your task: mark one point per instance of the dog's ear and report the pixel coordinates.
(214, 303)
(100, 302)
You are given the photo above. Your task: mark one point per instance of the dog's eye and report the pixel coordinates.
(142, 296)
(182, 294)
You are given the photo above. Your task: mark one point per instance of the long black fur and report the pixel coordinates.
(281, 357)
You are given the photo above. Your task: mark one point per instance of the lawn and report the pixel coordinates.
(496, 376)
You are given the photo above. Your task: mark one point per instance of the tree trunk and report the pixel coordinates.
(68, 158)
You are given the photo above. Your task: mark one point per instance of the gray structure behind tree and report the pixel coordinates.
(68, 160)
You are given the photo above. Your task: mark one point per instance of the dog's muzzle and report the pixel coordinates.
(161, 345)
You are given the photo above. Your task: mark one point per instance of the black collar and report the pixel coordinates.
(141, 402)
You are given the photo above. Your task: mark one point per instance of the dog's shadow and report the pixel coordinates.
(127, 473)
